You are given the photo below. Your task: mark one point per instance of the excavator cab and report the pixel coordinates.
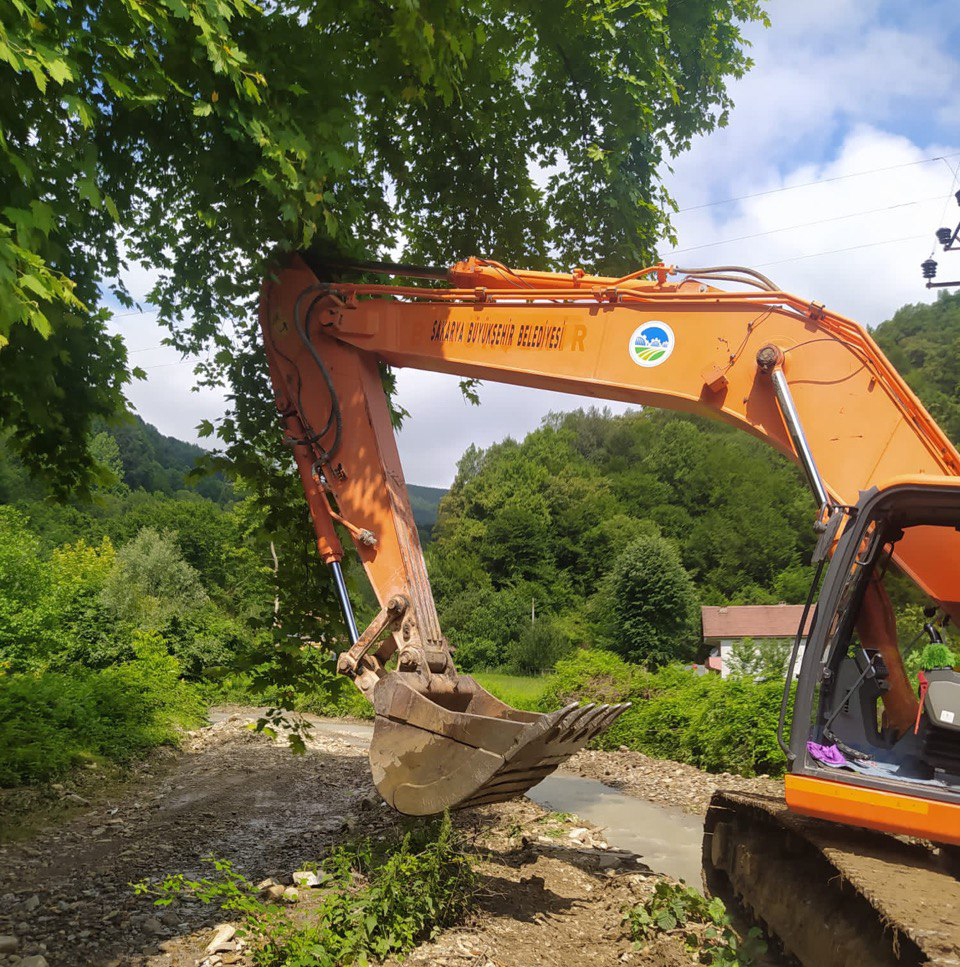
(867, 740)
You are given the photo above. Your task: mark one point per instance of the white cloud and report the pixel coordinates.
(869, 281)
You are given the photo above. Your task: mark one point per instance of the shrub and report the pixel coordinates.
(379, 900)
(932, 655)
(539, 648)
(51, 722)
(763, 660)
(715, 724)
(589, 675)
(473, 654)
(704, 926)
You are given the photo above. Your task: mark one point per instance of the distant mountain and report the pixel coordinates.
(160, 464)
(425, 501)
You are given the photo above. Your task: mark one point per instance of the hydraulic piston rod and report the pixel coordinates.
(770, 360)
(345, 605)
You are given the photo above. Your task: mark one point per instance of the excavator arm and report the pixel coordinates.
(808, 381)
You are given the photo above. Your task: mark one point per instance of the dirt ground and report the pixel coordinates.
(65, 894)
(664, 782)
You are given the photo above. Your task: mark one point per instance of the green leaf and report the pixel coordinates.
(88, 190)
(111, 208)
(34, 285)
(202, 109)
(59, 70)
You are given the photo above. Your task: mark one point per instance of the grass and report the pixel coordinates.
(520, 691)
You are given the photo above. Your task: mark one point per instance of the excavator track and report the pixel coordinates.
(831, 896)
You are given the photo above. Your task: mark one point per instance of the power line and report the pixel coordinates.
(182, 362)
(835, 251)
(819, 221)
(142, 312)
(819, 181)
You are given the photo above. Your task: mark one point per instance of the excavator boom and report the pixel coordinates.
(808, 381)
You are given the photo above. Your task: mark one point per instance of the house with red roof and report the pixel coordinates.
(724, 627)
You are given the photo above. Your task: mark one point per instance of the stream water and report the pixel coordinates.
(666, 839)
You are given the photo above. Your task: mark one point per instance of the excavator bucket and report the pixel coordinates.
(432, 752)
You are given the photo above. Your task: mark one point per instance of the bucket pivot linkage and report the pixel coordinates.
(440, 741)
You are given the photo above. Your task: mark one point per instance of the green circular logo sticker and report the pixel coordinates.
(652, 343)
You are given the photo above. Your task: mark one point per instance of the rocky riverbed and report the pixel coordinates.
(552, 889)
(662, 781)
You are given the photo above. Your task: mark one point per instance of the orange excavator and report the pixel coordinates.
(872, 809)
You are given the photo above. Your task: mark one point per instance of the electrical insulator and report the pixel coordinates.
(944, 236)
(929, 267)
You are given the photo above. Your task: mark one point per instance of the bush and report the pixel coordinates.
(538, 649)
(932, 655)
(590, 675)
(51, 722)
(379, 900)
(715, 724)
(704, 926)
(473, 654)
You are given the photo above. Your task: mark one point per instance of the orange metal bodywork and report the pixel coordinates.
(573, 333)
(889, 812)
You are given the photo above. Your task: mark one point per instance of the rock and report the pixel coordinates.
(170, 917)
(153, 925)
(150, 951)
(623, 748)
(37, 960)
(290, 895)
(270, 889)
(31, 903)
(8, 944)
(307, 878)
(580, 833)
(222, 936)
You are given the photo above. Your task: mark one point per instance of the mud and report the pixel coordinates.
(547, 897)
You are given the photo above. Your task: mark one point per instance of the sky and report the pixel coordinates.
(839, 161)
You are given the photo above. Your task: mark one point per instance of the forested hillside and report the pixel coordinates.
(589, 500)
(923, 342)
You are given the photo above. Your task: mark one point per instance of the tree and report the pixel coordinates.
(651, 603)
(200, 139)
(538, 648)
(761, 660)
(151, 583)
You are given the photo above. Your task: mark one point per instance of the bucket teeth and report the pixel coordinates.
(566, 732)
